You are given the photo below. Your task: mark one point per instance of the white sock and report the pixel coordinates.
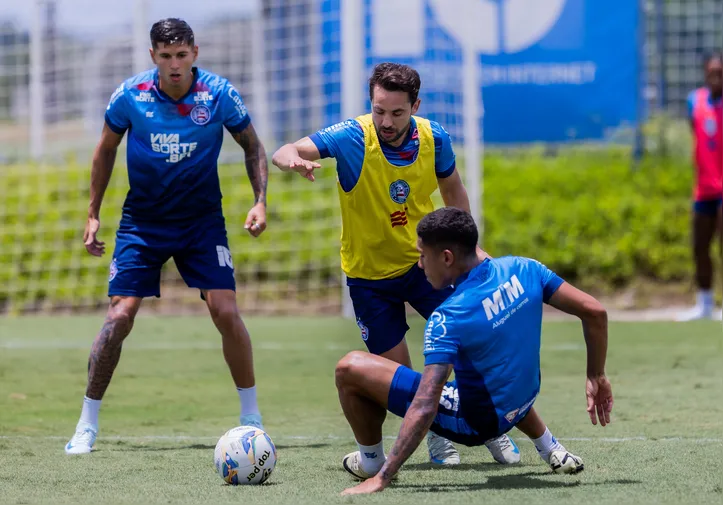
(546, 444)
(372, 457)
(89, 414)
(705, 299)
(247, 396)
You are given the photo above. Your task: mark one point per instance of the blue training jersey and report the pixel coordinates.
(345, 142)
(173, 145)
(489, 329)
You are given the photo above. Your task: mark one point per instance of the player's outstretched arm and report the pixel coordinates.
(101, 170)
(298, 157)
(594, 319)
(415, 426)
(257, 169)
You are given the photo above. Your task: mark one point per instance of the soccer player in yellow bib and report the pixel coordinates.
(389, 163)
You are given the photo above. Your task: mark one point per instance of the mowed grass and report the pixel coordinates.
(172, 397)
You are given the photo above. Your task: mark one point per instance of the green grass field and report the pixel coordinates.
(172, 397)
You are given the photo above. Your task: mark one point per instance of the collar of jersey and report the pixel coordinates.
(164, 96)
(481, 271)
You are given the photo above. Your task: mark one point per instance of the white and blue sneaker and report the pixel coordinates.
(441, 450)
(504, 450)
(252, 420)
(83, 440)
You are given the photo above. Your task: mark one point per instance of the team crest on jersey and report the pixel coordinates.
(710, 126)
(399, 191)
(200, 115)
(364, 329)
(113, 270)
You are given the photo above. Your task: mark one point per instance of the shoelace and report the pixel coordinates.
(86, 437)
(504, 442)
(440, 446)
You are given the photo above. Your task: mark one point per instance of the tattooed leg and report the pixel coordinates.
(363, 381)
(106, 350)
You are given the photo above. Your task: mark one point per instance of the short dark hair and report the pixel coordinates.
(449, 228)
(171, 31)
(395, 77)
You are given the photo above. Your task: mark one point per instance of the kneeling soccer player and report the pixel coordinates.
(488, 331)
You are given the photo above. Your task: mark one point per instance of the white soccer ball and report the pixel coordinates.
(245, 455)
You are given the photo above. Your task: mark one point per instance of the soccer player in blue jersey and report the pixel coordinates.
(175, 115)
(388, 164)
(488, 331)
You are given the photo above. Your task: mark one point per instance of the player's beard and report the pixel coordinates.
(399, 134)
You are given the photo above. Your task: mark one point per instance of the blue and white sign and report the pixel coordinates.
(549, 70)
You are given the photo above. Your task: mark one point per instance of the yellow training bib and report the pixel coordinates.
(380, 214)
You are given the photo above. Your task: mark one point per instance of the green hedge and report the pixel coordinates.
(588, 215)
(592, 217)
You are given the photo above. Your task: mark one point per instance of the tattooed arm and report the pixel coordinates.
(258, 171)
(418, 419)
(256, 164)
(415, 425)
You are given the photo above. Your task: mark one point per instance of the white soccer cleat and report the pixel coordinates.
(504, 450)
(352, 464)
(441, 450)
(565, 462)
(695, 313)
(83, 440)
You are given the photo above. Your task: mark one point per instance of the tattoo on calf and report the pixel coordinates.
(104, 356)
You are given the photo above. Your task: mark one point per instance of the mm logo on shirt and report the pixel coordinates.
(170, 144)
(494, 304)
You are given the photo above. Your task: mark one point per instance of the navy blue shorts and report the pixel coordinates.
(198, 247)
(708, 207)
(449, 422)
(380, 311)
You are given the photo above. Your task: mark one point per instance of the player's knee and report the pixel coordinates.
(224, 312)
(349, 368)
(119, 325)
(121, 315)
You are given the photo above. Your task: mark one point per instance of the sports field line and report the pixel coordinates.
(291, 438)
(200, 346)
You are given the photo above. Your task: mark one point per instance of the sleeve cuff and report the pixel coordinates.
(448, 172)
(116, 129)
(551, 288)
(439, 358)
(320, 145)
(241, 126)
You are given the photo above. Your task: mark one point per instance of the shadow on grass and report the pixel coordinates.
(482, 467)
(519, 481)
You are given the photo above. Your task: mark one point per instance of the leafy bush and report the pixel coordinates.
(593, 218)
(590, 216)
